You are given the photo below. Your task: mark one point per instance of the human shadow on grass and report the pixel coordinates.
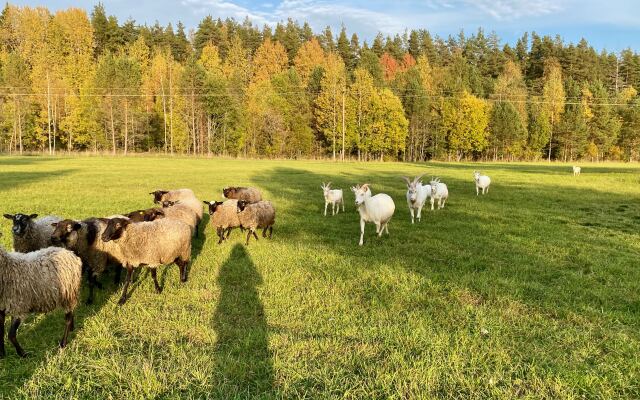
(39, 335)
(12, 179)
(242, 350)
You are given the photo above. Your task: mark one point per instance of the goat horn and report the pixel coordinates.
(406, 180)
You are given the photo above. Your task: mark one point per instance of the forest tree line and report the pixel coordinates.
(72, 81)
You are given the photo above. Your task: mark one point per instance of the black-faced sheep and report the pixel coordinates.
(150, 214)
(151, 244)
(29, 233)
(184, 196)
(224, 217)
(82, 237)
(248, 194)
(37, 282)
(256, 215)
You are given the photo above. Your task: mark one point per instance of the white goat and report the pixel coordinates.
(377, 209)
(576, 170)
(417, 195)
(333, 197)
(482, 182)
(440, 192)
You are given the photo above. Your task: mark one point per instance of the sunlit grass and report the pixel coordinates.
(531, 290)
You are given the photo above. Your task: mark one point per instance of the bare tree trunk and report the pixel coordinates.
(343, 123)
(550, 137)
(193, 122)
(164, 113)
(113, 128)
(49, 111)
(170, 110)
(20, 131)
(126, 126)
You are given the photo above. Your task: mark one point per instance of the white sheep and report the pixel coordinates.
(377, 209)
(417, 195)
(333, 197)
(440, 192)
(482, 182)
(576, 170)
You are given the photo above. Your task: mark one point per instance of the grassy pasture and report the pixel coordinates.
(530, 291)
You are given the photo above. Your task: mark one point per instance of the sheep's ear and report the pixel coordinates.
(77, 226)
(33, 216)
(8, 216)
(205, 202)
(55, 224)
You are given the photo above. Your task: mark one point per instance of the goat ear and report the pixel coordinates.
(8, 216)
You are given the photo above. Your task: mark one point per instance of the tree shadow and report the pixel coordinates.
(25, 160)
(11, 180)
(242, 349)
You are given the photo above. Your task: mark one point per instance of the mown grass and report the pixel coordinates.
(530, 291)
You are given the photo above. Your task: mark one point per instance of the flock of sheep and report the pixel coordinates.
(50, 253)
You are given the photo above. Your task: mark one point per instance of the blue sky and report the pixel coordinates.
(612, 24)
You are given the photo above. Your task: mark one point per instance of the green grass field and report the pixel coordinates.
(530, 291)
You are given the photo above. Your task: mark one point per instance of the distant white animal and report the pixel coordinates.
(482, 182)
(377, 209)
(333, 197)
(440, 192)
(417, 195)
(576, 170)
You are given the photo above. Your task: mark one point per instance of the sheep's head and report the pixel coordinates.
(229, 192)
(169, 203)
(326, 188)
(157, 195)
(361, 192)
(65, 233)
(20, 222)
(213, 206)
(242, 204)
(148, 215)
(115, 228)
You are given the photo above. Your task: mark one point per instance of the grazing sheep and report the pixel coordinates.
(150, 214)
(440, 192)
(249, 194)
(29, 233)
(184, 196)
(256, 215)
(576, 170)
(417, 195)
(81, 237)
(37, 282)
(224, 217)
(482, 182)
(333, 197)
(181, 212)
(161, 242)
(377, 209)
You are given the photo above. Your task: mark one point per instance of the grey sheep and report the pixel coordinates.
(29, 233)
(178, 211)
(82, 237)
(184, 196)
(256, 215)
(224, 217)
(37, 282)
(248, 194)
(161, 242)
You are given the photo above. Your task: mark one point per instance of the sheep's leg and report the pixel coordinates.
(228, 232)
(118, 275)
(68, 327)
(361, 232)
(411, 211)
(123, 298)
(264, 232)
(220, 232)
(325, 208)
(270, 231)
(182, 264)
(154, 275)
(248, 237)
(254, 235)
(92, 283)
(2, 316)
(15, 324)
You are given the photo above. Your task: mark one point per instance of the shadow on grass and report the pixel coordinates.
(242, 353)
(550, 169)
(11, 180)
(40, 335)
(24, 160)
